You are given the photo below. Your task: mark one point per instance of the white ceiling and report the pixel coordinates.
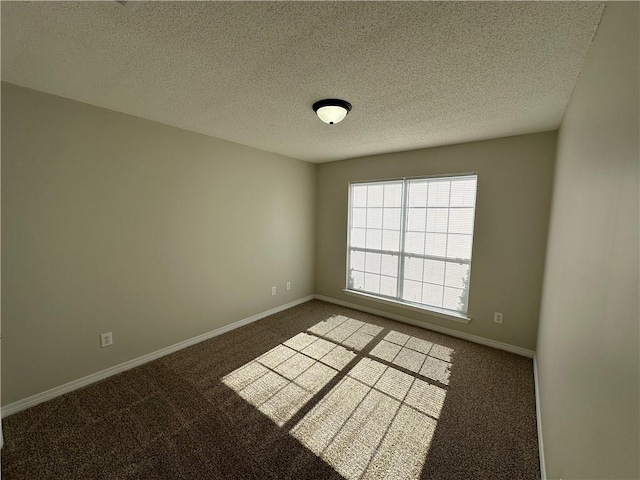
(418, 74)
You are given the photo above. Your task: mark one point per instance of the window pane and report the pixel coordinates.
(452, 298)
(357, 260)
(393, 195)
(392, 217)
(412, 291)
(437, 219)
(359, 196)
(418, 193)
(374, 218)
(389, 265)
(375, 195)
(461, 220)
(433, 271)
(372, 283)
(357, 237)
(436, 244)
(459, 246)
(374, 239)
(464, 300)
(463, 193)
(413, 268)
(414, 242)
(439, 193)
(389, 286)
(356, 280)
(359, 217)
(416, 219)
(432, 294)
(390, 240)
(456, 274)
(372, 262)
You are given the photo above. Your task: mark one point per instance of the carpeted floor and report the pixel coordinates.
(314, 392)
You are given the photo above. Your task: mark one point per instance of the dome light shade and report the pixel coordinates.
(331, 110)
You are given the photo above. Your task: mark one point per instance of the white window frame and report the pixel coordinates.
(398, 301)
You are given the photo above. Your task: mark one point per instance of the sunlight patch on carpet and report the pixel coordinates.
(377, 421)
(283, 380)
(420, 356)
(346, 331)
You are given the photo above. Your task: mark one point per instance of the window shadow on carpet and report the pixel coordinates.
(364, 399)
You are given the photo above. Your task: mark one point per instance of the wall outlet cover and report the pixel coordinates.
(106, 339)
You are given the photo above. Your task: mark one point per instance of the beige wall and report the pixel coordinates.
(114, 223)
(588, 344)
(513, 201)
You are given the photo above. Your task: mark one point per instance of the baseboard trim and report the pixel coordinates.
(543, 468)
(101, 375)
(436, 328)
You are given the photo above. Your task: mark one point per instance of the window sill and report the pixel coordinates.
(436, 312)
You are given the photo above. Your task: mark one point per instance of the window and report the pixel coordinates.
(410, 240)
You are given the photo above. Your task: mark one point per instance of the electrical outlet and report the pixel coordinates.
(273, 291)
(288, 285)
(497, 317)
(106, 339)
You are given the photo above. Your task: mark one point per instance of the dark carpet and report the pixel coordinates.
(314, 392)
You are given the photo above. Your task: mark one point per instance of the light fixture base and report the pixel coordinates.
(332, 110)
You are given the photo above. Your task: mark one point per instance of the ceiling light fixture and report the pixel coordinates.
(331, 110)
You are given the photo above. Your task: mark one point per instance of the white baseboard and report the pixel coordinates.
(447, 331)
(101, 375)
(543, 468)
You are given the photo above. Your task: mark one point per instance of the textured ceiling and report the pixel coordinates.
(418, 74)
